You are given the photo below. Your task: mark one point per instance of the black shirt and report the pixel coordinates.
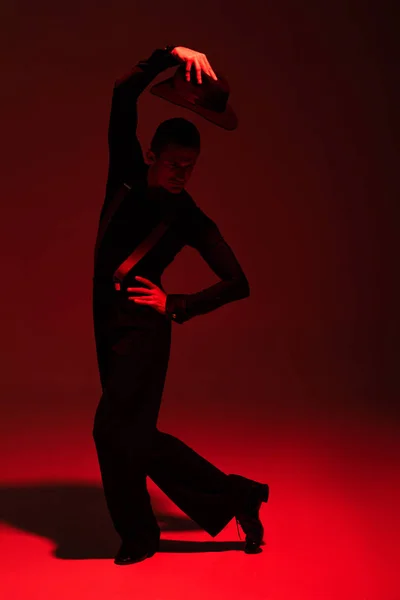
(142, 209)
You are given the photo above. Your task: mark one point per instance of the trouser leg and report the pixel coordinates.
(129, 447)
(201, 490)
(122, 454)
(124, 428)
(195, 485)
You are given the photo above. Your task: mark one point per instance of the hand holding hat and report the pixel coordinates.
(205, 92)
(192, 57)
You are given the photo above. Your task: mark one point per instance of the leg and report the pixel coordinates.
(121, 454)
(196, 486)
(124, 427)
(129, 446)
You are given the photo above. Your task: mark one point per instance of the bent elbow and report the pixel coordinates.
(244, 287)
(247, 289)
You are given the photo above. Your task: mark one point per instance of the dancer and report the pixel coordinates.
(133, 314)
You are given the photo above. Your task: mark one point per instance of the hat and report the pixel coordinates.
(208, 99)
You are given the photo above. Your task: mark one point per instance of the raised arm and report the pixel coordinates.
(206, 238)
(125, 153)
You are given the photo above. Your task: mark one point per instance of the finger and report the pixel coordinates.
(141, 300)
(144, 290)
(188, 69)
(140, 297)
(146, 281)
(211, 72)
(205, 66)
(198, 70)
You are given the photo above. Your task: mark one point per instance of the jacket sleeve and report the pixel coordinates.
(204, 235)
(125, 153)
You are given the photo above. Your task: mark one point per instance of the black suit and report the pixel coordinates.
(133, 341)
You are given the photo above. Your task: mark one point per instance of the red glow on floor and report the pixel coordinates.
(328, 525)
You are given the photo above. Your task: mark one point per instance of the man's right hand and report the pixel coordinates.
(199, 60)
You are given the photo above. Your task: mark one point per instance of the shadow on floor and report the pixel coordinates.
(76, 519)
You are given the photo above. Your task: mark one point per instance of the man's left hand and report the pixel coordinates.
(152, 296)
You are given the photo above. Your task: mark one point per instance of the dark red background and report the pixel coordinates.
(296, 385)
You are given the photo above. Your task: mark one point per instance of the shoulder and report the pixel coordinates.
(186, 200)
(190, 209)
(192, 215)
(195, 222)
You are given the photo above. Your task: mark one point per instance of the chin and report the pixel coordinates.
(174, 189)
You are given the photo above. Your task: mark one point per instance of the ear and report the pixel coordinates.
(150, 157)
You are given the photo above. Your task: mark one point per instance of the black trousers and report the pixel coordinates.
(133, 364)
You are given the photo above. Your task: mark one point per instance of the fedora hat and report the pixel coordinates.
(208, 99)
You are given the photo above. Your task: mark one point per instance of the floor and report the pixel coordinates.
(330, 524)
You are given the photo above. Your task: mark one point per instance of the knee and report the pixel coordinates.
(98, 433)
(95, 432)
(101, 419)
(100, 429)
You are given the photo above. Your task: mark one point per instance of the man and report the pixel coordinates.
(132, 321)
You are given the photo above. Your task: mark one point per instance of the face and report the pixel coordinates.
(172, 168)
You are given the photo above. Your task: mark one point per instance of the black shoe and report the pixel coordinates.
(247, 515)
(130, 553)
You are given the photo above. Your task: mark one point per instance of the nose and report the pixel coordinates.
(180, 174)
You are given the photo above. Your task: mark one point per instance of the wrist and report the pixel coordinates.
(169, 52)
(169, 49)
(175, 307)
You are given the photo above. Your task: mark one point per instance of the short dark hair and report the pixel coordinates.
(178, 131)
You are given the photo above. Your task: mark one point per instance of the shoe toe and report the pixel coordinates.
(128, 555)
(252, 547)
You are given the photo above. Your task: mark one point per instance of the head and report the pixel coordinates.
(172, 155)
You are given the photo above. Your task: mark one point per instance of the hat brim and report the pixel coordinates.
(227, 119)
